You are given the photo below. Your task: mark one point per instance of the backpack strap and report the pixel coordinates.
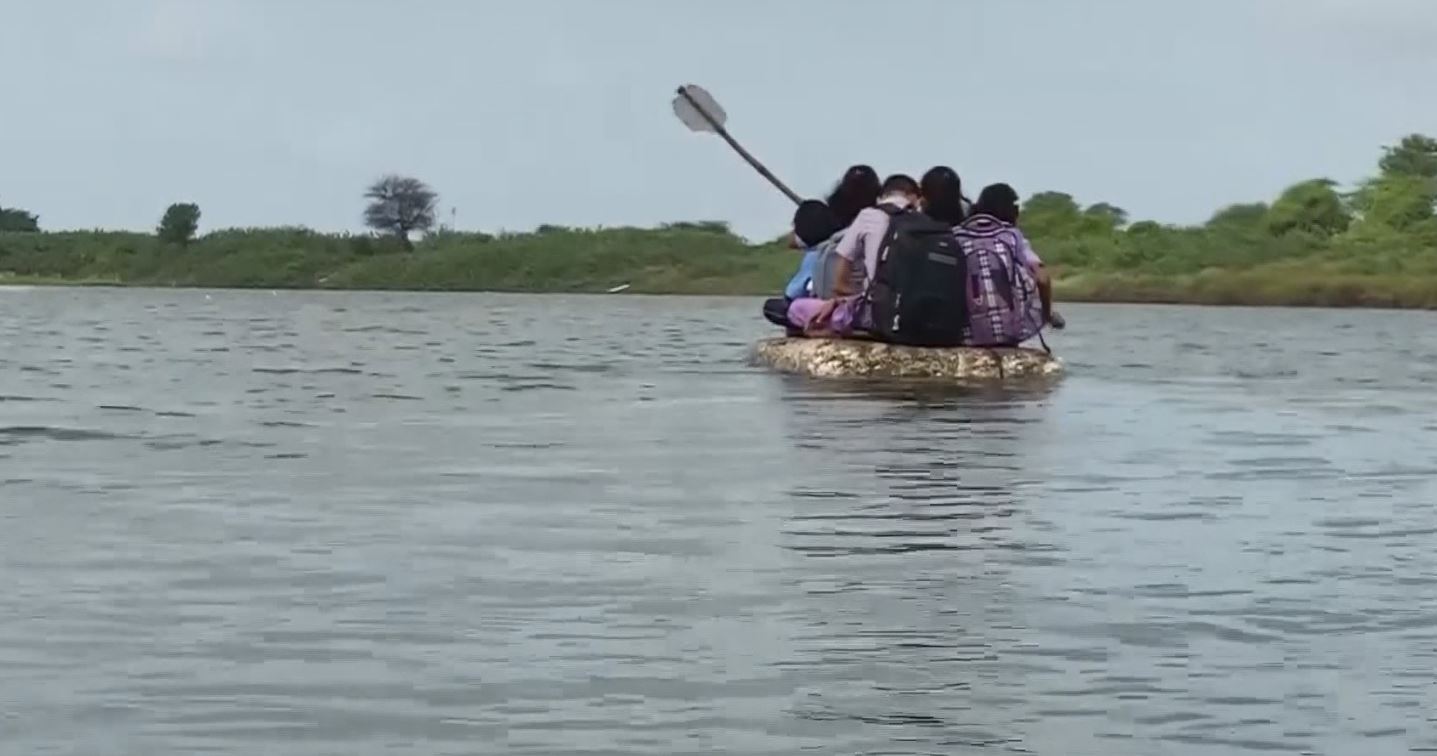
(889, 234)
(1020, 268)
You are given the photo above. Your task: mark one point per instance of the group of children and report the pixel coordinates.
(1007, 292)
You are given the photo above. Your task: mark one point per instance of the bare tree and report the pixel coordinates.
(400, 205)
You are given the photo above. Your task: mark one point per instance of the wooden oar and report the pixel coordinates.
(701, 112)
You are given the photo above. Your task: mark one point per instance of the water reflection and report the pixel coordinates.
(926, 393)
(918, 506)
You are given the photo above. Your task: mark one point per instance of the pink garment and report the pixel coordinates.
(866, 235)
(847, 316)
(1027, 254)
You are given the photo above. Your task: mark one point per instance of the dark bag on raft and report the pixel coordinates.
(917, 296)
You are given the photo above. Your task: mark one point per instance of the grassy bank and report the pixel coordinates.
(685, 259)
(1257, 288)
(1373, 246)
(699, 260)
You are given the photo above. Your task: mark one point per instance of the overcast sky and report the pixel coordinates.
(271, 112)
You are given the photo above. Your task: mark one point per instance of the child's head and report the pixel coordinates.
(858, 189)
(943, 195)
(813, 222)
(900, 185)
(999, 201)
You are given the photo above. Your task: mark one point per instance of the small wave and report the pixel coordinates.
(580, 368)
(1251, 438)
(308, 371)
(470, 375)
(22, 433)
(385, 329)
(537, 386)
(174, 442)
(1164, 516)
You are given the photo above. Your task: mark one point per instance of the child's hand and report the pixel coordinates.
(823, 316)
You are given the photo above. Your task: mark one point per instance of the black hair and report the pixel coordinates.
(858, 189)
(943, 195)
(814, 222)
(900, 183)
(999, 201)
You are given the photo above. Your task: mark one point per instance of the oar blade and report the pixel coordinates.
(698, 109)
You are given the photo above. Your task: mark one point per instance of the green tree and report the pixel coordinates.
(1112, 216)
(1399, 202)
(400, 206)
(1051, 204)
(15, 219)
(1245, 215)
(1312, 206)
(179, 224)
(1415, 155)
(1051, 214)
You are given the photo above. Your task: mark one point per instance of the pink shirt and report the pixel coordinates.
(1026, 253)
(866, 234)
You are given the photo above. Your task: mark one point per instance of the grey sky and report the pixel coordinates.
(270, 112)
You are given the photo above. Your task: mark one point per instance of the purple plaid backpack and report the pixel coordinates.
(1003, 304)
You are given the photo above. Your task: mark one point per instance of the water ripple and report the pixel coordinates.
(316, 523)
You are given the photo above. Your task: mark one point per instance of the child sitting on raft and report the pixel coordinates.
(813, 224)
(855, 191)
(846, 312)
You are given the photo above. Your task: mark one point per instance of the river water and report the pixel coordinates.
(345, 523)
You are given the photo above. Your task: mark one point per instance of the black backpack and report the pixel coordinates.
(918, 295)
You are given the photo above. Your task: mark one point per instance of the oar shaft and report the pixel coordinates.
(743, 153)
(763, 171)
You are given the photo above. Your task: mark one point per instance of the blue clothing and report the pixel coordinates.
(800, 284)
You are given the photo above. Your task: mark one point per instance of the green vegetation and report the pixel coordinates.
(15, 219)
(1375, 245)
(179, 225)
(1314, 245)
(683, 260)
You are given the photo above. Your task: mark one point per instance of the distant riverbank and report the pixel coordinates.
(1374, 245)
(678, 259)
